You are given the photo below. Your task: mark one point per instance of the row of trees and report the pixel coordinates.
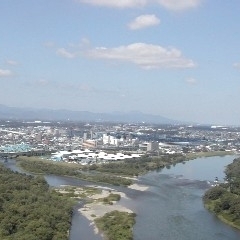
(29, 209)
(224, 200)
(103, 172)
(48, 167)
(135, 167)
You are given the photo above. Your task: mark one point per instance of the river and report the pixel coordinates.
(172, 206)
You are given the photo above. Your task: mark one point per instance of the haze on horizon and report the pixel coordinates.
(178, 59)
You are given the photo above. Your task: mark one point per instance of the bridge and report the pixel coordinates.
(39, 152)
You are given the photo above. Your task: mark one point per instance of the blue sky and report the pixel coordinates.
(175, 58)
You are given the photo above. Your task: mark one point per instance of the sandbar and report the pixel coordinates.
(98, 209)
(138, 187)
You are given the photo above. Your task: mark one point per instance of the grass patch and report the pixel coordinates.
(110, 199)
(76, 192)
(190, 156)
(117, 225)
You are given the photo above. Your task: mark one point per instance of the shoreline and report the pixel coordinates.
(98, 208)
(221, 217)
(138, 187)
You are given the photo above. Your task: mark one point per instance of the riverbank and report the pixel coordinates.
(222, 217)
(139, 187)
(192, 156)
(224, 200)
(100, 201)
(97, 207)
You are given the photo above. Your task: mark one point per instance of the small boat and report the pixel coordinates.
(215, 182)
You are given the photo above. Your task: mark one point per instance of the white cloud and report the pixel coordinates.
(116, 3)
(5, 73)
(237, 65)
(178, 5)
(191, 81)
(147, 56)
(174, 5)
(144, 21)
(65, 53)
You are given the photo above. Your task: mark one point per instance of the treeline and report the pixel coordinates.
(135, 167)
(30, 210)
(111, 173)
(48, 167)
(224, 200)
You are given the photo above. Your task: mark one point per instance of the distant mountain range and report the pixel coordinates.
(15, 113)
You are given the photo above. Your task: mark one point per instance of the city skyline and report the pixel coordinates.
(177, 59)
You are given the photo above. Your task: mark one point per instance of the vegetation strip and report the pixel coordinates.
(117, 225)
(224, 200)
(105, 205)
(112, 173)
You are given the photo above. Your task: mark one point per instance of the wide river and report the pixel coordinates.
(170, 209)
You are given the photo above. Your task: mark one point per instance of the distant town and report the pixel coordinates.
(88, 143)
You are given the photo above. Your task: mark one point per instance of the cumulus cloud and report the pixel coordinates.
(144, 21)
(147, 56)
(65, 53)
(5, 73)
(175, 5)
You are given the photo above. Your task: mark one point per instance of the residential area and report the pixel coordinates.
(88, 143)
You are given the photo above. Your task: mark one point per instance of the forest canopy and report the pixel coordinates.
(30, 209)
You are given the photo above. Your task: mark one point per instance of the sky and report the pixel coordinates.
(176, 58)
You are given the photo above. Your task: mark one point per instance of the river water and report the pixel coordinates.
(171, 208)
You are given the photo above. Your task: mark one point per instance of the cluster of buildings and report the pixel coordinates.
(88, 156)
(102, 142)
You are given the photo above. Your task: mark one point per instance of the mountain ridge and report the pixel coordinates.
(16, 113)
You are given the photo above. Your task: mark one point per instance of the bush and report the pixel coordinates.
(214, 193)
(117, 225)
